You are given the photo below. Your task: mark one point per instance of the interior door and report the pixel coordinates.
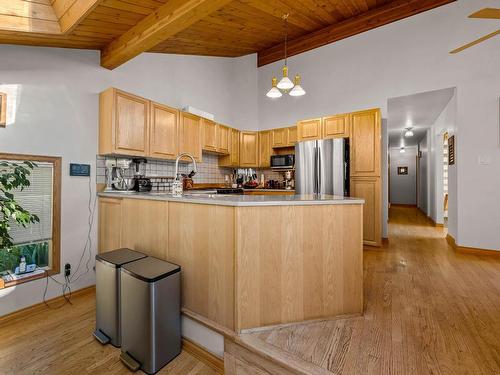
(305, 167)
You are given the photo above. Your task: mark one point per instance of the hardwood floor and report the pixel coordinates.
(428, 310)
(60, 342)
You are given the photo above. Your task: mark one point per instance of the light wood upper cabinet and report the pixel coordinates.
(249, 149)
(233, 159)
(336, 126)
(278, 137)
(308, 130)
(110, 223)
(190, 135)
(223, 139)
(209, 135)
(163, 132)
(123, 123)
(291, 136)
(365, 143)
(368, 188)
(265, 149)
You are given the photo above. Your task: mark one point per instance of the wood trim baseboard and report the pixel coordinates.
(403, 205)
(200, 353)
(470, 250)
(39, 307)
(210, 324)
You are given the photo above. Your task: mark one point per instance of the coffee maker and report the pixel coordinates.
(289, 180)
(142, 183)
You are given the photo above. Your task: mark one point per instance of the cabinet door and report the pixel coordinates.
(249, 149)
(336, 126)
(209, 135)
(223, 139)
(163, 133)
(110, 224)
(131, 124)
(368, 188)
(264, 149)
(291, 136)
(145, 226)
(308, 130)
(190, 135)
(233, 159)
(365, 143)
(278, 137)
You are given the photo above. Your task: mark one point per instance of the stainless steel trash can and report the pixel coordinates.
(151, 314)
(107, 271)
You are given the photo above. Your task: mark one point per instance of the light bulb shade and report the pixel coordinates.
(274, 93)
(409, 133)
(297, 91)
(402, 150)
(285, 84)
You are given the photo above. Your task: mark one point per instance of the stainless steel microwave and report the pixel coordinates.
(283, 161)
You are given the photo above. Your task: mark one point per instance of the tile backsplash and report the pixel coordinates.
(208, 171)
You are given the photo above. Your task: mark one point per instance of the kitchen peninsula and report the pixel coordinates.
(247, 261)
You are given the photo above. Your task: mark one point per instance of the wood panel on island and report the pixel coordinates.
(237, 262)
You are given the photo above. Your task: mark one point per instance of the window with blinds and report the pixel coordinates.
(35, 243)
(37, 199)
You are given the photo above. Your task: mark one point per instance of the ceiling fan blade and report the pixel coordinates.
(493, 13)
(477, 41)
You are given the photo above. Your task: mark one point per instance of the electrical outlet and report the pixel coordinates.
(67, 269)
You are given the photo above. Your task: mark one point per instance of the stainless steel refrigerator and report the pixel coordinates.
(322, 167)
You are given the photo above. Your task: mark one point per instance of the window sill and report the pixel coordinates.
(8, 284)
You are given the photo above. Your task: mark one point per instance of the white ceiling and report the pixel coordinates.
(419, 111)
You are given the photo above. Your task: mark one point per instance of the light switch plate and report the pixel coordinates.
(484, 160)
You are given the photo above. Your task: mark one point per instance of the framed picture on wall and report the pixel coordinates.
(402, 170)
(3, 109)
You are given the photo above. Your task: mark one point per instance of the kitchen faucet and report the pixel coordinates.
(177, 184)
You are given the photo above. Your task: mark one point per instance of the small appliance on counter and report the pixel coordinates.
(289, 181)
(116, 169)
(141, 182)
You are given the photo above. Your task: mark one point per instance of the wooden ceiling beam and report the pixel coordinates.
(166, 21)
(72, 14)
(374, 18)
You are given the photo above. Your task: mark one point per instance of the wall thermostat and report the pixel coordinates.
(82, 170)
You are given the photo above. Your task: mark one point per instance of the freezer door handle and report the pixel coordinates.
(319, 171)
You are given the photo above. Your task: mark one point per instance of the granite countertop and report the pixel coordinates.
(241, 200)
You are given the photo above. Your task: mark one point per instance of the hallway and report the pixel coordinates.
(428, 310)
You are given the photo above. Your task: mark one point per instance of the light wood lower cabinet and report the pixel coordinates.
(369, 188)
(143, 226)
(110, 224)
(201, 241)
(249, 149)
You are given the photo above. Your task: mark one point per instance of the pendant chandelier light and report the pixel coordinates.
(408, 132)
(285, 85)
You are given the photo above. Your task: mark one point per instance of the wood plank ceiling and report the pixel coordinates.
(228, 28)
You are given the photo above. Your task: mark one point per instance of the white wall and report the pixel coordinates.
(404, 187)
(423, 192)
(408, 57)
